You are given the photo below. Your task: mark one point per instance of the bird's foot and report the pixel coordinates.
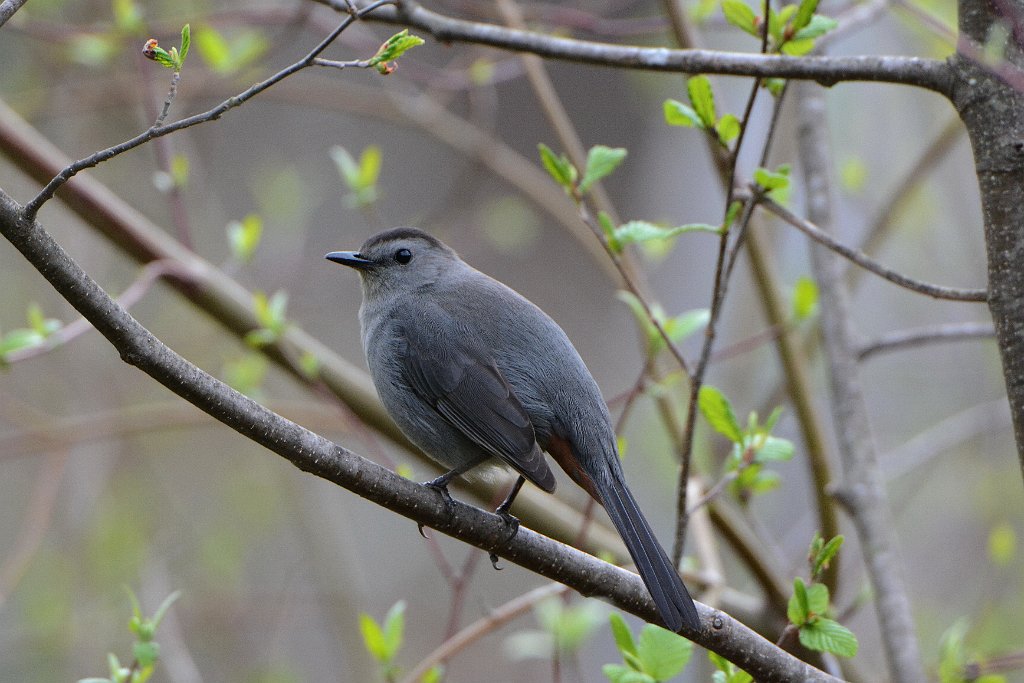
(440, 484)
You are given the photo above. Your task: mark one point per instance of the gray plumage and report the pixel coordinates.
(471, 370)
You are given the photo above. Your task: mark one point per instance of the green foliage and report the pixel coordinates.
(244, 237)
(809, 607)
(228, 55)
(39, 330)
(559, 168)
(270, 312)
(954, 657)
(792, 29)
(601, 161)
(676, 328)
(702, 114)
(727, 672)
(753, 445)
(360, 177)
(563, 628)
(658, 655)
(247, 373)
(805, 299)
(174, 58)
(633, 232)
(383, 641)
(145, 650)
(393, 48)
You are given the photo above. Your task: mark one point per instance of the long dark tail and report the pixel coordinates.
(670, 595)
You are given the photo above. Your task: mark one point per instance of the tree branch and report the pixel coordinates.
(863, 488)
(930, 74)
(902, 339)
(316, 455)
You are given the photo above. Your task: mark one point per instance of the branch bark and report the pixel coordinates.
(316, 455)
(863, 489)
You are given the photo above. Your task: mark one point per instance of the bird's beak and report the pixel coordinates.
(351, 259)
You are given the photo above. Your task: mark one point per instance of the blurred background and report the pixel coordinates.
(108, 480)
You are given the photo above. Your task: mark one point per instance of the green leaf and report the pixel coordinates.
(824, 556)
(774, 85)
(434, 674)
(161, 611)
(717, 410)
(394, 627)
(226, 56)
(728, 129)
(186, 43)
(775, 449)
(772, 180)
(739, 14)
(797, 611)
(679, 114)
(373, 638)
(642, 231)
(797, 47)
(360, 177)
(393, 48)
(818, 26)
(601, 161)
(558, 167)
(244, 237)
(616, 673)
(663, 653)
(20, 339)
(703, 99)
(804, 14)
(621, 633)
(1002, 544)
(685, 324)
(825, 635)
(777, 22)
(608, 228)
(146, 653)
(805, 298)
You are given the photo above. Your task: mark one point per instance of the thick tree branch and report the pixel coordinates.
(925, 73)
(316, 455)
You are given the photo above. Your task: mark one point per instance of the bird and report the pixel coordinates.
(473, 373)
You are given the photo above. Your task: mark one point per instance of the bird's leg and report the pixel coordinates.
(440, 484)
(503, 512)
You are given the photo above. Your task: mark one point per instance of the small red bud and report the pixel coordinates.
(149, 49)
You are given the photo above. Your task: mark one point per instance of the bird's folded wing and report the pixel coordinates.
(459, 378)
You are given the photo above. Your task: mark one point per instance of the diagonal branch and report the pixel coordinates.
(316, 455)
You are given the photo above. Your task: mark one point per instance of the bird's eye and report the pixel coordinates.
(403, 256)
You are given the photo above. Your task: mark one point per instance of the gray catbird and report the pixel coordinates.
(470, 370)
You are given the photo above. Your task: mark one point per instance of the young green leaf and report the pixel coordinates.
(393, 48)
(798, 611)
(826, 635)
(394, 627)
(608, 228)
(804, 14)
(703, 99)
(373, 638)
(146, 653)
(621, 633)
(685, 324)
(728, 129)
(717, 410)
(739, 14)
(186, 43)
(772, 180)
(775, 449)
(642, 231)
(818, 26)
(601, 161)
(662, 653)
(824, 556)
(679, 114)
(797, 47)
(434, 674)
(558, 167)
(616, 673)
(805, 298)
(244, 237)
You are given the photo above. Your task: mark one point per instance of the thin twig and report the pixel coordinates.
(158, 130)
(902, 339)
(8, 8)
(866, 262)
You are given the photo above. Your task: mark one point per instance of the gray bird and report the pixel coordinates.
(472, 371)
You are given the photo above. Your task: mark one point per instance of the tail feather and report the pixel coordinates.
(658, 573)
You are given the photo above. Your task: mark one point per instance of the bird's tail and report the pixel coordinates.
(659, 575)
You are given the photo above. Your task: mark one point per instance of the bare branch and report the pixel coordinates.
(925, 73)
(866, 262)
(920, 336)
(8, 8)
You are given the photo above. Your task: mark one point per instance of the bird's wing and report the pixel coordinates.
(457, 375)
